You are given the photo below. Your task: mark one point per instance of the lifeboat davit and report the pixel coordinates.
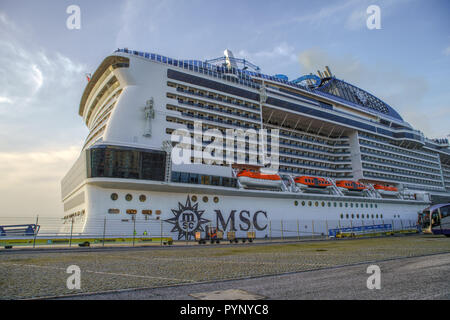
(305, 183)
(348, 186)
(385, 190)
(249, 178)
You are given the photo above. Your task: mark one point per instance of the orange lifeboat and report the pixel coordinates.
(305, 182)
(250, 178)
(348, 185)
(386, 190)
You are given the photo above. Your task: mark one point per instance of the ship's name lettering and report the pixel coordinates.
(245, 220)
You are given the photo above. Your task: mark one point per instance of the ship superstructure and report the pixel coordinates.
(342, 151)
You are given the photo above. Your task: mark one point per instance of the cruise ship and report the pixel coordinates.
(327, 151)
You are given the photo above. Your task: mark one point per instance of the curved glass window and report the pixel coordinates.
(127, 163)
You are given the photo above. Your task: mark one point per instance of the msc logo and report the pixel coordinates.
(187, 220)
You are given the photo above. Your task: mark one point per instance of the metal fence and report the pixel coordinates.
(47, 231)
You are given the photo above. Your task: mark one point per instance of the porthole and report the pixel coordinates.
(357, 216)
(342, 216)
(316, 203)
(205, 199)
(216, 199)
(377, 216)
(367, 205)
(346, 216)
(194, 198)
(128, 197)
(142, 198)
(351, 205)
(381, 216)
(340, 204)
(353, 216)
(329, 204)
(303, 203)
(362, 216)
(371, 205)
(114, 196)
(372, 215)
(296, 203)
(376, 206)
(323, 204)
(356, 205)
(309, 203)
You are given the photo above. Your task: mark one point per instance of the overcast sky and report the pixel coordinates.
(42, 66)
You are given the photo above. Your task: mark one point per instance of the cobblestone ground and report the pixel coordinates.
(31, 275)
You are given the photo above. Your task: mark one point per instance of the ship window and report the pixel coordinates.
(346, 216)
(142, 198)
(303, 203)
(323, 204)
(316, 204)
(362, 216)
(340, 204)
(357, 216)
(346, 204)
(353, 216)
(309, 203)
(342, 216)
(127, 163)
(194, 198)
(205, 199)
(356, 205)
(351, 205)
(114, 196)
(296, 203)
(128, 197)
(216, 199)
(381, 216)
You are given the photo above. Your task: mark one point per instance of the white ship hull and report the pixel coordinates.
(241, 211)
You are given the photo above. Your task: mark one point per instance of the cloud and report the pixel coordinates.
(446, 51)
(39, 92)
(407, 93)
(40, 132)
